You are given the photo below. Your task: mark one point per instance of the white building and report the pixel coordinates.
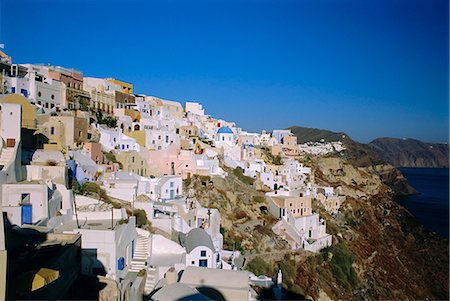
(225, 135)
(32, 81)
(114, 139)
(306, 232)
(194, 108)
(30, 202)
(280, 134)
(200, 250)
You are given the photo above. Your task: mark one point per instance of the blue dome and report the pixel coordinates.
(224, 130)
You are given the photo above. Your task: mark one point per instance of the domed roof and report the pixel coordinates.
(224, 130)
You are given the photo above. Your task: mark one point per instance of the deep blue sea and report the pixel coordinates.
(431, 206)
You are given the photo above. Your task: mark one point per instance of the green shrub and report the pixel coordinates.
(141, 217)
(289, 270)
(277, 160)
(259, 267)
(341, 264)
(187, 182)
(259, 199)
(239, 173)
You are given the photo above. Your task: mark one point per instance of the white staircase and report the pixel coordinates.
(141, 253)
(6, 155)
(140, 259)
(150, 282)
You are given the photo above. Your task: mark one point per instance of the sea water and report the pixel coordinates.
(431, 205)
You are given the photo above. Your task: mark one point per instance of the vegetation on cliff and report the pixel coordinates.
(379, 249)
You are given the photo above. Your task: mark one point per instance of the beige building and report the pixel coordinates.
(187, 131)
(132, 161)
(173, 107)
(331, 203)
(64, 131)
(299, 206)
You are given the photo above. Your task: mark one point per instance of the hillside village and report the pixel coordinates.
(97, 183)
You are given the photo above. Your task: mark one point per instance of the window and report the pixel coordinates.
(25, 198)
(53, 96)
(192, 262)
(52, 130)
(171, 184)
(13, 90)
(39, 94)
(203, 263)
(203, 253)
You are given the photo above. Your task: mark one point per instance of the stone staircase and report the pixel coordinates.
(151, 280)
(141, 252)
(6, 156)
(140, 259)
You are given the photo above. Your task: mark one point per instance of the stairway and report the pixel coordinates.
(6, 155)
(150, 282)
(140, 259)
(141, 253)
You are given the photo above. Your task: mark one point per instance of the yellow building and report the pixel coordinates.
(139, 136)
(29, 114)
(126, 87)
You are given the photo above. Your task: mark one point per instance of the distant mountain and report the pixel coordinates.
(411, 152)
(316, 135)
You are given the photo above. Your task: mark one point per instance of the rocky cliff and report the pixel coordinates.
(359, 155)
(411, 153)
(394, 257)
(379, 249)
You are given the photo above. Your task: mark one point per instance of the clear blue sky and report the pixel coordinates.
(368, 68)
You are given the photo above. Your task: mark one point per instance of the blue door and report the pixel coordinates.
(171, 194)
(203, 263)
(27, 214)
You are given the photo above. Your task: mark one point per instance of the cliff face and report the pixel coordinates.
(411, 153)
(395, 258)
(359, 155)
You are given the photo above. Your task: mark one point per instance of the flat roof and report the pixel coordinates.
(217, 278)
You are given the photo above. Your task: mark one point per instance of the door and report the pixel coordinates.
(172, 195)
(203, 263)
(27, 214)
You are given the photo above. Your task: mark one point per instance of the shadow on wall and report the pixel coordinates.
(47, 268)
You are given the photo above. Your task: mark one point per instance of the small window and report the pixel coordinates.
(39, 94)
(203, 253)
(132, 159)
(192, 262)
(52, 130)
(25, 198)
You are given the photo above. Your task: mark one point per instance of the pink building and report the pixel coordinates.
(172, 161)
